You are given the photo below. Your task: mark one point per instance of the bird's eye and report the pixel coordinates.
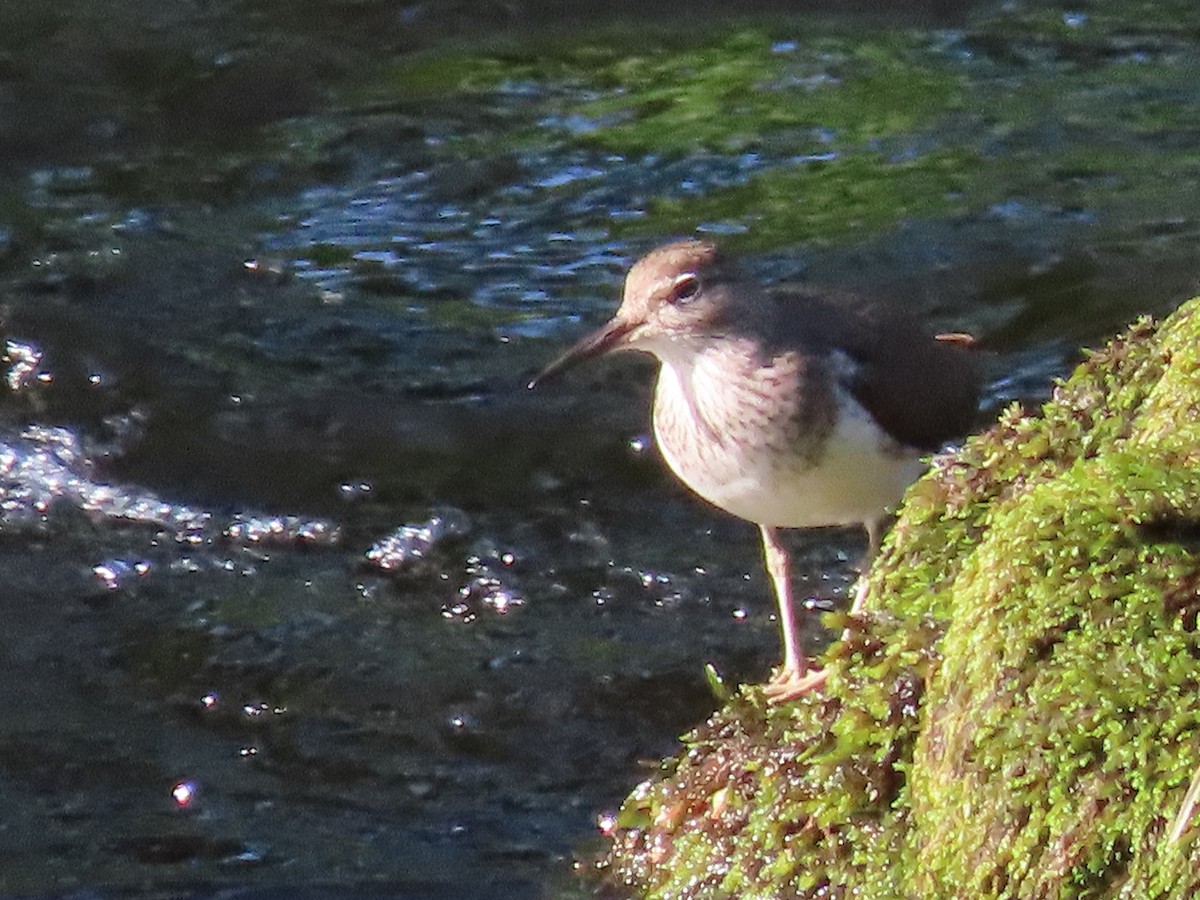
(686, 288)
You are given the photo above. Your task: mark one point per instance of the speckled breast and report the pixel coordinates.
(777, 443)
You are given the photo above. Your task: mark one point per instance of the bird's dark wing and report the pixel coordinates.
(921, 388)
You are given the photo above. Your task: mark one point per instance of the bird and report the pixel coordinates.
(788, 408)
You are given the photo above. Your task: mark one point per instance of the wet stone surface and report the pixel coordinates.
(303, 593)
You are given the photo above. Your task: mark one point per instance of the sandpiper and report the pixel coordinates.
(791, 409)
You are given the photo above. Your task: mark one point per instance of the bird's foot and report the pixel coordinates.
(860, 596)
(790, 683)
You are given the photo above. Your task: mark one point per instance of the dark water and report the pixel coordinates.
(303, 594)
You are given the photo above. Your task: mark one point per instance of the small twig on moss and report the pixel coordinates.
(1184, 816)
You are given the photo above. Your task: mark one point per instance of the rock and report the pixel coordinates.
(1016, 716)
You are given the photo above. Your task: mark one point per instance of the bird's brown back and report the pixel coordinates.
(922, 390)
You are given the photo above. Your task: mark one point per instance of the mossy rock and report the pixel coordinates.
(1018, 715)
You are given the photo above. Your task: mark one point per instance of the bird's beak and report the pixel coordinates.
(611, 337)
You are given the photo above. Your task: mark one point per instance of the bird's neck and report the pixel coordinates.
(710, 384)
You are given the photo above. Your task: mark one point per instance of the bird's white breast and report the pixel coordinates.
(724, 437)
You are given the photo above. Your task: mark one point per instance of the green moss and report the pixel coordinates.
(729, 95)
(1016, 718)
(825, 202)
(1083, 117)
(1094, 24)
(720, 91)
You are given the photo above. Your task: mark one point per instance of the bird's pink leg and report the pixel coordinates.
(795, 678)
(874, 540)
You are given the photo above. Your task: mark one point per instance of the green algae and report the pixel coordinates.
(723, 91)
(842, 132)
(1090, 116)
(728, 95)
(825, 202)
(839, 127)
(1016, 715)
